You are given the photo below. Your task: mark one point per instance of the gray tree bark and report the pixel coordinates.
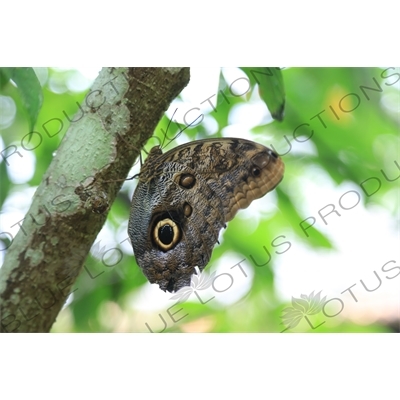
(70, 206)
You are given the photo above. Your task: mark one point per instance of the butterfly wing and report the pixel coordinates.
(174, 224)
(187, 195)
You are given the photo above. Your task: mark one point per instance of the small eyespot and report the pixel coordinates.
(187, 210)
(255, 171)
(187, 181)
(166, 234)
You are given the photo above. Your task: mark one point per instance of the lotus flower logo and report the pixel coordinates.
(198, 282)
(306, 305)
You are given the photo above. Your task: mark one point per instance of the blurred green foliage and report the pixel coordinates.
(342, 121)
(29, 89)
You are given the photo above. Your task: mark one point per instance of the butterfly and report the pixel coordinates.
(185, 196)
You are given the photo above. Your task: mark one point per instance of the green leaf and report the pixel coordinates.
(272, 91)
(5, 75)
(29, 89)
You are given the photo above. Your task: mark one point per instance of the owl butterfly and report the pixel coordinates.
(185, 196)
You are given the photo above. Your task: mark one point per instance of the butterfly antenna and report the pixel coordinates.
(166, 132)
(179, 133)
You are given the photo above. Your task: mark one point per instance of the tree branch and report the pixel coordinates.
(69, 207)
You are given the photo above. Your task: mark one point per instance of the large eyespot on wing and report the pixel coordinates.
(166, 231)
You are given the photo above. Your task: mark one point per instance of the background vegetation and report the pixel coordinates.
(340, 129)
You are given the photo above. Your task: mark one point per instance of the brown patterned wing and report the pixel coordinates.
(185, 196)
(237, 170)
